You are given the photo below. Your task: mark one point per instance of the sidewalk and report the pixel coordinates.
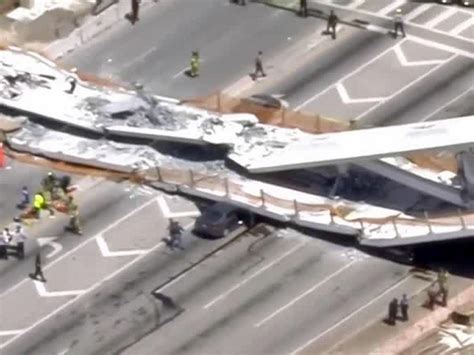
(380, 338)
(63, 33)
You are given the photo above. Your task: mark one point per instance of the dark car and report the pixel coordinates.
(467, 3)
(220, 219)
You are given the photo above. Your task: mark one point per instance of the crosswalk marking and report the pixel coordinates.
(462, 27)
(418, 11)
(391, 7)
(440, 18)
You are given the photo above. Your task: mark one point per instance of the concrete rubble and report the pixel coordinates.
(107, 116)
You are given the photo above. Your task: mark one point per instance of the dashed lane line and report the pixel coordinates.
(87, 291)
(348, 75)
(406, 87)
(258, 272)
(304, 294)
(343, 320)
(427, 117)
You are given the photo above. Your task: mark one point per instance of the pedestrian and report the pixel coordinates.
(73, 212)
(25, 198)
(392, 311)
(332, 23)
(443, 291)
(4, 241)
(304, 8)
(175, 231)
(431, 292)
(73, 83)
(38, 274)
(398, 24)
(135, 10)
(259, 66)
(19, 237)
(194, 72)
(404, 307)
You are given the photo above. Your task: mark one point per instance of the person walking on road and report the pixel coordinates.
(398, 24)
(304, 8)
(176, 232)
(25, 198)
(38, 274)
(194, 70)
(73, 212)
(332, 24)
(133, 16)
(442, 281)
(259, 72)
(431, 293)
(404, 307)
(392, 311)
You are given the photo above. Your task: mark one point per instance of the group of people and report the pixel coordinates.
(433, 293)
(13, 240)
(333, 20)
(395, 306)
(55, 193)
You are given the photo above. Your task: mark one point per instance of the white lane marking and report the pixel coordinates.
(440, 18)
(42, 292)
(344, 95)
(375, 28)
(90, 289)
(441, 46)
(258, 272)
(121, 219)
(181, 72)
(462, 26)
(4, 333)
(106, 252)
(356, 3)
(163, 205)
(417, 11)
(57, 247)
(399, 91)
(406, 63)
(311, 341)
(392, 6)
(348, 75)
(304, 294)
(368, 13)
(427, 117)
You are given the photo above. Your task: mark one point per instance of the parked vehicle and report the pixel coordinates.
(221, 219)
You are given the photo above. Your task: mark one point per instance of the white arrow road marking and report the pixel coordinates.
(41, 289)
(344, 95)
(106, 252)
(304, 294)
(406, 63)
(4, 333)
(165, 209)
(57, 247)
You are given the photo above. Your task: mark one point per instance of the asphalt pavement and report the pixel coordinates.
(368, 76)
(157, 50)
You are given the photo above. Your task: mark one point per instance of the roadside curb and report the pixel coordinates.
(411, 335)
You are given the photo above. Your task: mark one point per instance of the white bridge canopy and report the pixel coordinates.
(352, 146)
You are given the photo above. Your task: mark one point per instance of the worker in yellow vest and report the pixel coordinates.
(194, 64)
(38, 204)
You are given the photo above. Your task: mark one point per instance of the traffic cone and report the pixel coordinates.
(2, 156)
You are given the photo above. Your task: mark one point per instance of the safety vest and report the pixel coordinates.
(38, 202)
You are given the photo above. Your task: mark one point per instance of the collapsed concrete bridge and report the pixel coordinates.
(33, 86)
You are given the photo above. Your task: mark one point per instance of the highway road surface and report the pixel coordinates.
(368, 76)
